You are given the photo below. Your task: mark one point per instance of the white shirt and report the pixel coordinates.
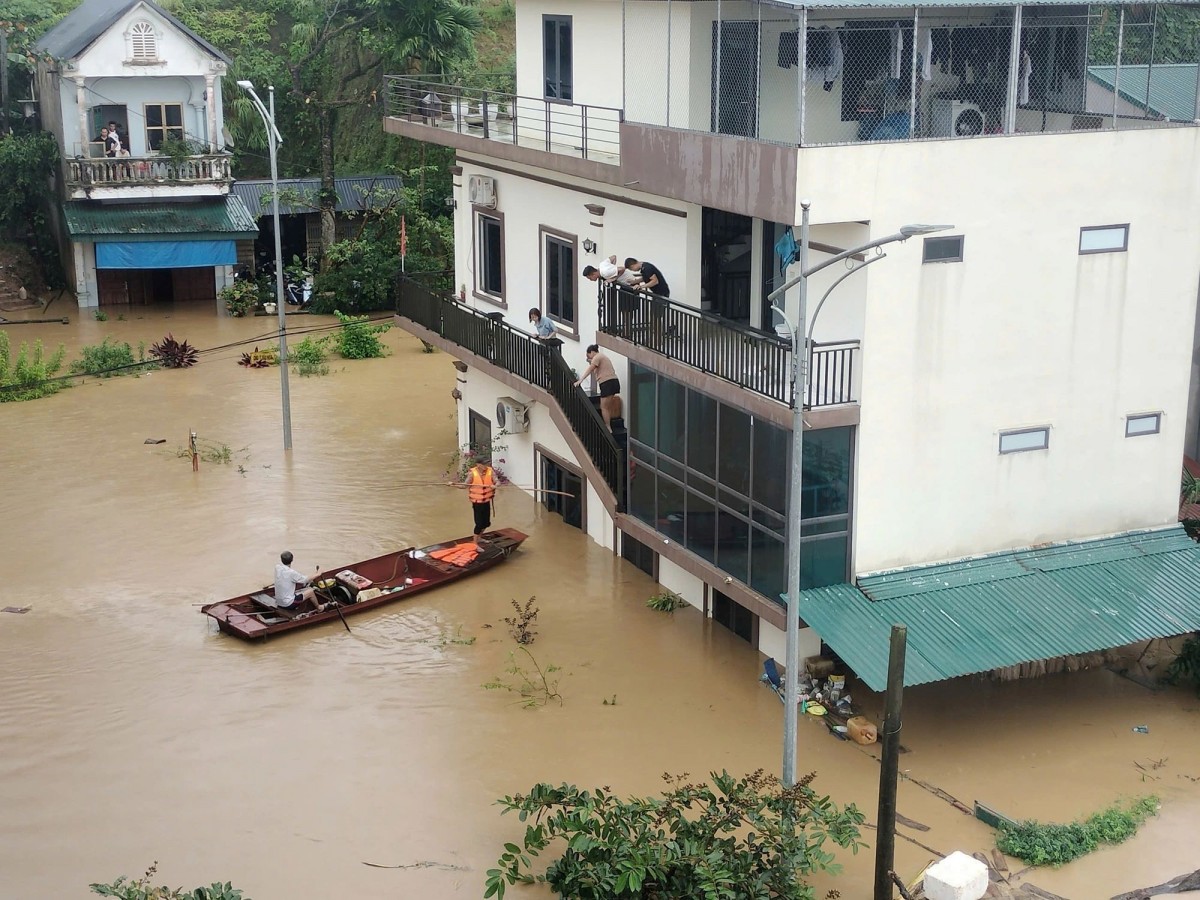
(610, 271)
(287, 580)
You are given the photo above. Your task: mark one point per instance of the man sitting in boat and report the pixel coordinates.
(287, 580)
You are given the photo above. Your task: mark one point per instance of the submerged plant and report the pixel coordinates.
(31, 374)
(108, 358)
(537, 685)
(260, 359)
(1186, 666)
(308, 357)
(359, 340)
(174, 354)
(521, 625)
(666, 601)
(1052, 844)
(142, 889)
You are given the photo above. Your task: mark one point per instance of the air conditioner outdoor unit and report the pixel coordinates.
(512, 415)
(956, 118)
(482, 190)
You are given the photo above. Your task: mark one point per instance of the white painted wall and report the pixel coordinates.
(1024, 332)
(110, 79)
(596, 39)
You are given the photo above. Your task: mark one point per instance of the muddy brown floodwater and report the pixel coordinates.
(130, 731)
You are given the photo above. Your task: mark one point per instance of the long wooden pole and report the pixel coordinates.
(455, 484)
(885, 848)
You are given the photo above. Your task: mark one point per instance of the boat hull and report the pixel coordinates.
(397, 576)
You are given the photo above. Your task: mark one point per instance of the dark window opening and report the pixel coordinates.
(556, 57)
(489, 268)
(943, 249)
(639, 554)
(567, 499)
(560, 280)
(479, 431)
(734, 616)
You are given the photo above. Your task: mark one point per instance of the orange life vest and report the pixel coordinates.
(460, 555)
(481, 484)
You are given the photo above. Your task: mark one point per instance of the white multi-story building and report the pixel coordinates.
(150, 220)
(982, 401)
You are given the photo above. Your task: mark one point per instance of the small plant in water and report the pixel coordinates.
(666, 601)
(101, 315)
(108, 358)
(427, 347)
(143, 889)
(308, 357)
(536, 685)
(260, 359)
(1051, 844)
(173, 354)
(521, 625)
(1186, 666)
(359, 340)
(32, 374)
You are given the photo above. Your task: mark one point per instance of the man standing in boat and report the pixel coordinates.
(287, 580)
(481, 489)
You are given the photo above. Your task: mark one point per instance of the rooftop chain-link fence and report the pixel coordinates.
(788, 76)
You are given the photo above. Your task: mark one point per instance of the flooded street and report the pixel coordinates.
(130, 731)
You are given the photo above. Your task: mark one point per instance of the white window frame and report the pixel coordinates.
(1133, 420)
(1109, 247)
(1044, 444)
(143, 42)
(962, 241)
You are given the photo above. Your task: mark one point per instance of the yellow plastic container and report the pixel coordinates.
(861, 730)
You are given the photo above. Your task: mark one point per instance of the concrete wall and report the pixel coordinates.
(1024, 332)
(596, 39)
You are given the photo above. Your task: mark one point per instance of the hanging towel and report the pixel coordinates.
(1025, 71)
(925, 52)
(897, 51)
(833, 71)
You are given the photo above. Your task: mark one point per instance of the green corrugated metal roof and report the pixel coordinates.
(1008, 608)
(1172, 87)
(225, 218)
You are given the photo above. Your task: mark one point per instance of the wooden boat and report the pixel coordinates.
(366, 585)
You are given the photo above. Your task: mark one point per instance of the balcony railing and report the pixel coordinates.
(516, 352)
(752, 359)
(127, 171)
(555, 126)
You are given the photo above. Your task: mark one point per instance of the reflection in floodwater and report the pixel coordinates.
(130, 731)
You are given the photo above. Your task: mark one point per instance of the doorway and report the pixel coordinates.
(563, 488)
(728, 612)
(725, 263)
(142, 287)
(735, 85)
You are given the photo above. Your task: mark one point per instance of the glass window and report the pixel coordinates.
(702, 434)
(773, 521)
(1146, 423)
(733, 545)
(768, 565)
(642, 404)
(675, 470)
(702, 526)
(672, 418)
(772, 453)
(489, 264)
(641, 495)
(701, 484)
(826, 473)
(822, 562)
(671, 512)
(943, 249)
(556, 56)
(164, 122)
(1104, 239)
(560, 279)
(734, 449)
(1024, 439)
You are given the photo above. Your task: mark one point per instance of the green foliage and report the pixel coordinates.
(100, 315)
(240, 298)
(31, 374)
(1158, 34)
(1186, 666)
(521, 625)
(142, 889)
(1052, 845)
(747, 838)
(308, 357)
(27, 162)
(358, 340)
(666, 601)
(109, 358)
(536, 685)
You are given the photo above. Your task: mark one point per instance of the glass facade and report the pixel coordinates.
(715, 479)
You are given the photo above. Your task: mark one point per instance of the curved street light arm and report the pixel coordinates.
(812, 323)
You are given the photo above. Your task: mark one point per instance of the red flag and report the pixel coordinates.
(403, 238)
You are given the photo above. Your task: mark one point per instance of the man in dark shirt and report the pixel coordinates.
(652, 278)
(654, 283)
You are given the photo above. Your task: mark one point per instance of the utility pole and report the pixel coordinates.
(885, 848)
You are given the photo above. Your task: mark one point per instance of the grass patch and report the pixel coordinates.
(1042, 844)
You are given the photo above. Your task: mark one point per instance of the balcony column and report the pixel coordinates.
(81, 104)
(1014, 74)
(210, 105)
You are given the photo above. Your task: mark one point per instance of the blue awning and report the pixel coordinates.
(165, 254)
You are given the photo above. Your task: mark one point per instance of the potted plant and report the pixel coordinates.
(240, 298)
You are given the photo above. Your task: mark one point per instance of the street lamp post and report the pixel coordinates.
(274, 139)
(801, 341)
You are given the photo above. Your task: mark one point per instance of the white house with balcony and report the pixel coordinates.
(150, 220)
(997, 412)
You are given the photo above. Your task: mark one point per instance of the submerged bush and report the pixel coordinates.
(359, 340)
(1052, 844)
(308, 357)
(31, 374)
(109, 358)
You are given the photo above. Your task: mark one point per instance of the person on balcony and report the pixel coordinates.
(610, 386)
(653, 283)
(609, 272)
(112, 143)
(543, 327)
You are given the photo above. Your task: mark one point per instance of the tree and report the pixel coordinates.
(749, 838)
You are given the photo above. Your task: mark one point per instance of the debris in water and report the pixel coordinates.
(19, 610)
(1189, 882)
(154, 441)
(1141, 729)
(423, 864)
